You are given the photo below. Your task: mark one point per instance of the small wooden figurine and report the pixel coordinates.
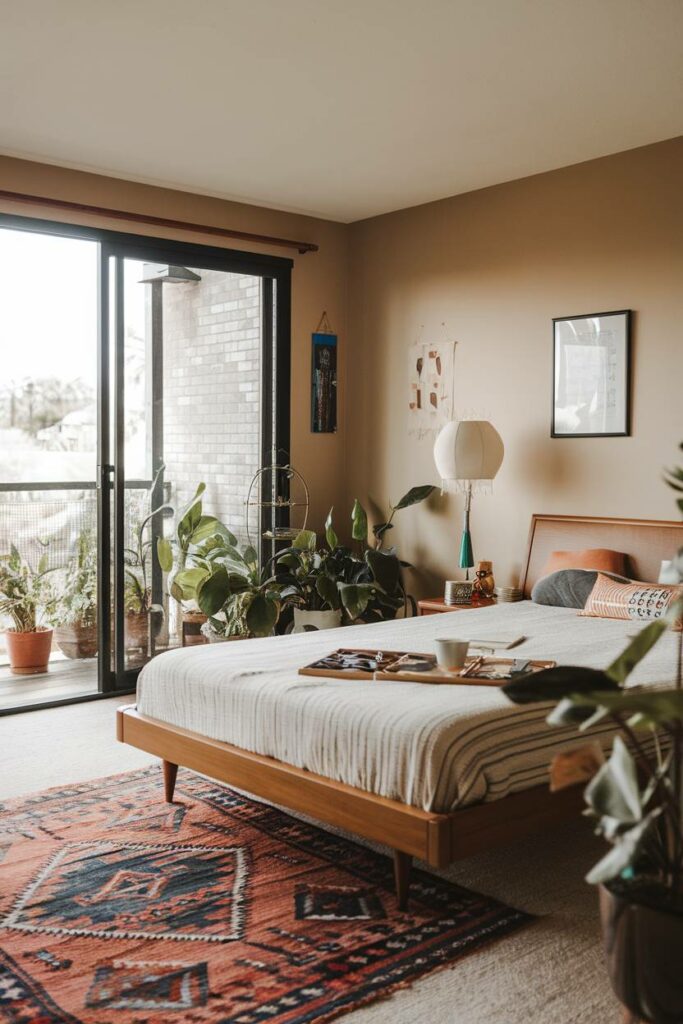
(484, 583)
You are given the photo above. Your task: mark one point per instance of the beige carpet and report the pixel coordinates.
(549, 973)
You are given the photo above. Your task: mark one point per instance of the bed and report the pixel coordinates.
(433, 772)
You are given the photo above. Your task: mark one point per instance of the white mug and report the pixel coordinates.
(451, 654)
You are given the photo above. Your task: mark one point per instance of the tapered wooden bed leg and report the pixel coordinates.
(402, 865)
(170, 773)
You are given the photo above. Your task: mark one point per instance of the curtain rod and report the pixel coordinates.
(163, 222)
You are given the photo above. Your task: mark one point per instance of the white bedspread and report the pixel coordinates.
(435, 747)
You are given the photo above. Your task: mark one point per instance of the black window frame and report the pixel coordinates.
(275, 273)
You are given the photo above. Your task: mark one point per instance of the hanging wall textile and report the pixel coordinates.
(430, 385)
(118, 907)
(324, 378)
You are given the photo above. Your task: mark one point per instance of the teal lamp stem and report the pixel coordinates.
(466, 560)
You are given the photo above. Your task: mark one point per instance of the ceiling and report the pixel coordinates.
(338, 108)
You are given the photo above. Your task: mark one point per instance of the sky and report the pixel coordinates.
(48, 306)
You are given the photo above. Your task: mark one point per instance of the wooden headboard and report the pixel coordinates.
(646, 542)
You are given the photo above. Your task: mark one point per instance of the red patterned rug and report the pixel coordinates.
(117, 907)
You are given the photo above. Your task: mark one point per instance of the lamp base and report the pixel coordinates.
(466, 559)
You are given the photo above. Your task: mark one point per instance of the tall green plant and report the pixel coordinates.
(192, 528)
(137, 589)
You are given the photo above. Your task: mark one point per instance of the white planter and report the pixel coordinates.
(305, 621)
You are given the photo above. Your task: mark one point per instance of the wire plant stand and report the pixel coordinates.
(269, 494)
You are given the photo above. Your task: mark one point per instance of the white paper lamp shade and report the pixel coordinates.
(468, 450)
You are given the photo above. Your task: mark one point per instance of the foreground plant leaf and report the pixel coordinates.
(622, 667)
(614, 791)
(555, 683)
(624, 853)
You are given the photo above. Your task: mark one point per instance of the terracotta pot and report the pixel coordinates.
(644, 949)
(77, 641)
(137, 629)
(29, 653)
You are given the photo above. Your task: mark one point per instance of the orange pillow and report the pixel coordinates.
(640, 602)
(601, 559)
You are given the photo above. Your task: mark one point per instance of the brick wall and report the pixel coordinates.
(212, 409)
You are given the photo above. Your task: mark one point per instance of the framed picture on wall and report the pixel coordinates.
(592, 375)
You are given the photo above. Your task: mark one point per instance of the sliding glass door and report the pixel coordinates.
(180, 377)
(48, 460)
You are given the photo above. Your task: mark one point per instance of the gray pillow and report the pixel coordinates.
(568, 588)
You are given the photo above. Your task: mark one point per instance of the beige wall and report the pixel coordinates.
(496, 266)
(318, 281)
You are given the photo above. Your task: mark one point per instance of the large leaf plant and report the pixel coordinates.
(366, 584)
(230, 588)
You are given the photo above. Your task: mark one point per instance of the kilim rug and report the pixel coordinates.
(117, 908)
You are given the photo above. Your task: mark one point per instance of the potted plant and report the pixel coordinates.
(636, 801)
(326, 587)
(75, 610)
(26, 596)
(176, 554)
(309, 581)
(238, 599)
(143, 616)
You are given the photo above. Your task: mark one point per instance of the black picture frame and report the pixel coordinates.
(616, 382)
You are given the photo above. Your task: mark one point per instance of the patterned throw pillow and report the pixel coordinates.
(638, 601)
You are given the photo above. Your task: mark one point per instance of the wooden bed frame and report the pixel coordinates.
(437, 839)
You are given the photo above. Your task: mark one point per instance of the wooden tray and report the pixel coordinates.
(435, 676)
(325, 666)
(439, 676)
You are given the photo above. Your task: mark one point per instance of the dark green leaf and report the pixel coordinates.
(327, 589)
(385, 569)
(555, 683)
(262, 614)
(355, 598)
(250, 556)
(359, 522)
(291, 559)
(414, 496)
(213, 592)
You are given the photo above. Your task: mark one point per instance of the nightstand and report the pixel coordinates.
(436, 605)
